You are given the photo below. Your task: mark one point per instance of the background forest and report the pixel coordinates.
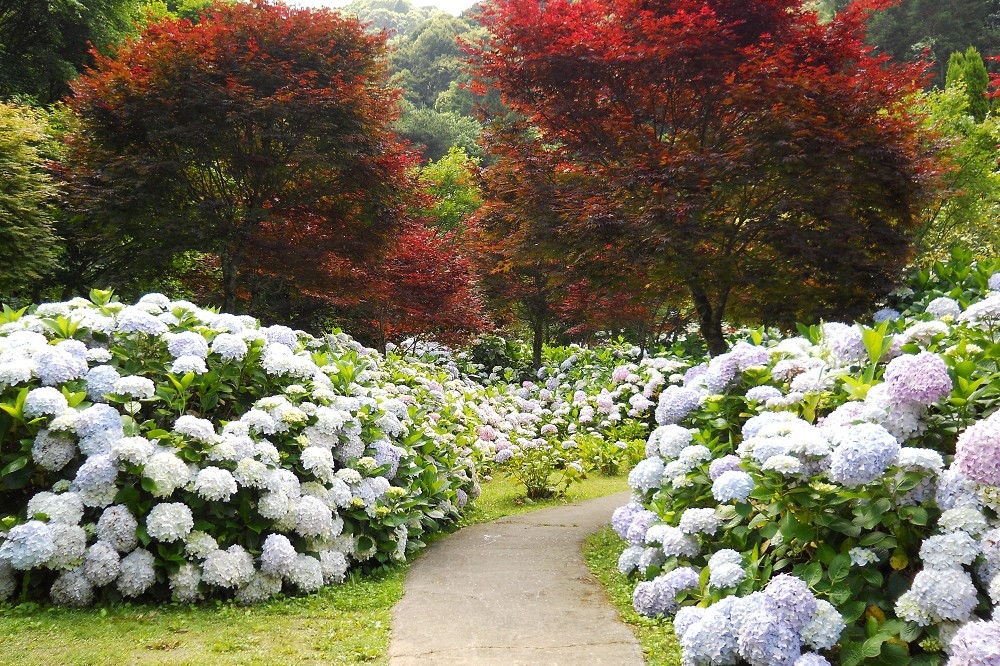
(446, 267)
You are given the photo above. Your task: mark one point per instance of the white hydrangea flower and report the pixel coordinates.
(137, 573)
(215, 484)
(169, 521)
(28, 546)
(134, 386)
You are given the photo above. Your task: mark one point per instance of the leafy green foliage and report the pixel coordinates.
(969, 69)
(28, 244)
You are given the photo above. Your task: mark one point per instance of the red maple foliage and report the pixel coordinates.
(261, 135)
(763, 161)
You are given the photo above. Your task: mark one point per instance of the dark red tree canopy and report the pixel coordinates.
(740, 149)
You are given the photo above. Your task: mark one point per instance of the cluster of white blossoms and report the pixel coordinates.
(179, 442)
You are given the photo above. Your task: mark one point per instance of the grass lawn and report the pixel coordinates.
(659, 645)
(346, 624)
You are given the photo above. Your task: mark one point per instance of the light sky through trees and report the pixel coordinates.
(454, 7)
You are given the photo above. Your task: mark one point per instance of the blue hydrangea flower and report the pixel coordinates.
(676, 402)
(789, 598)
(734, 485)
(768, 640)
(862, 455)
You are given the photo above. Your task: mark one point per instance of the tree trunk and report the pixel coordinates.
(710, 319)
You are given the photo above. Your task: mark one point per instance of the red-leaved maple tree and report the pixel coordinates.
(765, 162)
(262, 135)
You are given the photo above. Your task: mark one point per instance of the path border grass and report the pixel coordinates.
(659, 645)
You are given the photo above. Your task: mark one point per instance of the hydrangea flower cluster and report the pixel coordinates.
(123, 424)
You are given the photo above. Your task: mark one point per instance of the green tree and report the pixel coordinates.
(429, 58)
(965, 212)
(969, 69)
(941, 27)
(44, 44)
(28, 245)
(260, 136)
(434, 133)
(451, 183)
(397, 18)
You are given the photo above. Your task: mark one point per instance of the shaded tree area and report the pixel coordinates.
(28, 197)
(43, 44)
(930, 29)
(763, 161)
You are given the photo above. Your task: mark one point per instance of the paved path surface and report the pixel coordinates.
(516, 591)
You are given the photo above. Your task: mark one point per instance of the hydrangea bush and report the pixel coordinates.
(160, 450)
(831, 498)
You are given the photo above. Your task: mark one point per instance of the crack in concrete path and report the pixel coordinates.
(516, 591)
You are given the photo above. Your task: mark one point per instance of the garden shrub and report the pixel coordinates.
(832, 497)
(163, 450)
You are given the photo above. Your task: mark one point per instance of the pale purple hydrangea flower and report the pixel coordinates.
(948, 551)
(646, 475)
(976, 644)
(277, 556)
(134, 386)
(668, 441)
(823, 631)
(762, 394)
(937, 595)
(943, 307)
(726, 575)
(95, 481)
(658, 597)
(184, 583)
(977, 451)
(169, 521)
(57, 366)
(789, 598)
(306, 573)
(182, 365)
(100, 381)
(215, 484)
(117, 527)
(44, 401)
(187, 343)
(845, 342)
(137, 573)
(28, 545)
(636, 532)
(955, 490)
(334, 565)
(72, 589)
(768, 640)
(812, 659)
(621, 518)
(101, 564)
(133, 319)
(198, 429)
(885, 314)
(167, 472)
(724, 464)
(699, 521)
(230, 347)
(918, 378)
(71, 545)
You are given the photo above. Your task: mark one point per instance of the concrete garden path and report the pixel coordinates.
(515, 591)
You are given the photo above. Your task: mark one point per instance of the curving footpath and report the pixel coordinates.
(515, 591)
